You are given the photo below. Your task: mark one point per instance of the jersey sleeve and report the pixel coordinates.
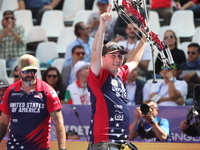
(4, 105)
(53, 102)
(95, 81)
(123, 73)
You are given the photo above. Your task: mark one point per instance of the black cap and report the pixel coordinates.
(4, 82)
(8, 12)
(113, 48)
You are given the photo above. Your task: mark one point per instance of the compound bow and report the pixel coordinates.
(152, 38)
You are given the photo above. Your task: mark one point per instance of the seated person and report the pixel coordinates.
(54, 79)
(37, 7)
(12, 40)
(131, 43)
(120, 25)
(163, 8)
(3, 86)
(151, 128)
(93, 21)
(77, 93)
(16, 74)
(178, 55)
(67, 73)
(72, 135)
(81, 30)
(137, 89)
(193, 5)
(169, 91)
(191, 70)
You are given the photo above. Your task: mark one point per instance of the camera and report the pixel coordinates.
(196, 97)
(145, 109)
(194, 111)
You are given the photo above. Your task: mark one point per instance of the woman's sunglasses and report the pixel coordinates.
(169, 37)
(52, 76)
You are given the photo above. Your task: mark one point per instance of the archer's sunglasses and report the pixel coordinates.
(29, 71)
(112, 48)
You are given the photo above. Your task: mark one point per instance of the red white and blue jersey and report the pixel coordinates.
(110, 114)
(30, 118)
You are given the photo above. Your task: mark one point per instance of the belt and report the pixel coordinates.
(106, 144)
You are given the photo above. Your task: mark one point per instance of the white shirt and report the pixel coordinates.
(131, 88)
(80, 96)
(130, 47)
(161, 88)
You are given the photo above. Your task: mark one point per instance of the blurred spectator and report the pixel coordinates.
(191, 70)
(163, 8)
(151, 128)
(3, 86)
(54, 79)
(77, 92)
(16, 74)
(81, 30)
(12, 40)
(89, 4)
(137, 89)
(120, 25)
(182, 2)
(193, 5)
(169, 91)
(68, 75)
(131, 43)
(178, 55)
(37, 7)
(72, 135)
(93, 21)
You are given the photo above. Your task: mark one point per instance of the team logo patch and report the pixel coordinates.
(119, 117)
(38, 95)
(54, 94)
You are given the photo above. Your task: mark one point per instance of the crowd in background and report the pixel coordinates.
(174, 86)
(78, 53)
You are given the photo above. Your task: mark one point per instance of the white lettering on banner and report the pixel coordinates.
(78, 129)
(184, 137)
(22, 107)
(149, 140)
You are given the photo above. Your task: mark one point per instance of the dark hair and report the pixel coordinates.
(76, 47)
(194, 45)
(176, 43)
(8, 12)
(70, 133)
(15, 68)
(78, 27)
(59, 82)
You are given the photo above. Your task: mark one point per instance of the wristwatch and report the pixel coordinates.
(172, 79)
